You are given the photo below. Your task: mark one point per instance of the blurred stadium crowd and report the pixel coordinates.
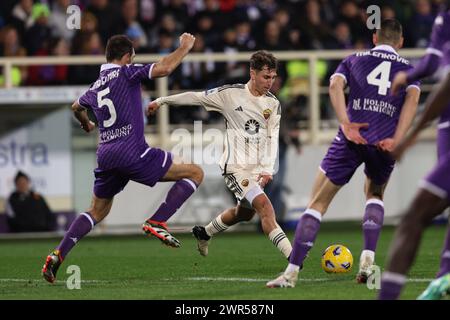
(38, 28)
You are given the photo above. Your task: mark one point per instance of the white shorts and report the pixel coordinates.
(244, 186)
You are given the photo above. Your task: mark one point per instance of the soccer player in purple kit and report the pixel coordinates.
(431, 199)
(371, 125)
(438, 54)
(123, 154)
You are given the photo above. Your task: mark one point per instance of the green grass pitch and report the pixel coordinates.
(238, 266)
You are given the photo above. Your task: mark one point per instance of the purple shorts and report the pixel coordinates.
(344, 157)
(438, 180)
(148, 170)
(443, 139)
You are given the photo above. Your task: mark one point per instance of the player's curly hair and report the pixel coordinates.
(262, 58)
(117, 47)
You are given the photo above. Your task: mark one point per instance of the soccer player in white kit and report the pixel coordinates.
(252, 117)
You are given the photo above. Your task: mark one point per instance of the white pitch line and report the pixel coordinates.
(266, 280)
(57, 281)
(224, 279)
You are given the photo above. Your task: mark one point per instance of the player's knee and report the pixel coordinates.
(264, 207)
(197, 174)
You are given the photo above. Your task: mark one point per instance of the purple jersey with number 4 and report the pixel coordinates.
(115, 99)
(368, 75)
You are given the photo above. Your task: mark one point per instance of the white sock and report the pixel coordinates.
(216, 226)
(292, 268)
(368, 253)
(279, 239)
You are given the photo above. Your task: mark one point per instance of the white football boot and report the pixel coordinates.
(286, 280)
(366, 263)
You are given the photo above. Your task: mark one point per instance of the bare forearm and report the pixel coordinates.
(407, 116)
(167, 64)
(82, 117)
(337, 97)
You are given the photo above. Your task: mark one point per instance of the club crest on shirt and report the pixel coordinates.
(245, 182)
(267, 113)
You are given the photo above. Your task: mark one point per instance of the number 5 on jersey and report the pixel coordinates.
(380, 77)
(107, 102)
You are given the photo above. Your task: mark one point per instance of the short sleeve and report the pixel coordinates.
(138, 72)
(86, 100)
(415, 84)
(343, 70)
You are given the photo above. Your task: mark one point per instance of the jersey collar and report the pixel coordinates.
(385, 47)
(108, 66)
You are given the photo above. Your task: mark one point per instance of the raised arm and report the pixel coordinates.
(167, 64)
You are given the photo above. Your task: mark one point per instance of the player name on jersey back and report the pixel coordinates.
(383, 55)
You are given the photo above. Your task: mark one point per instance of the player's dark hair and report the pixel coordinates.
(117, 47)
(390, 31)
(262, 58)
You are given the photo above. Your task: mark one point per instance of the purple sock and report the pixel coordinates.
(372, 223)
(176, 196)
(391, 285)
(82, 225)
(445, 257)
(305, 235)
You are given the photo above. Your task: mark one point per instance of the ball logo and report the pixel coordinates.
(267, 113)
(252, 126)
(245, 182)
(337, 251)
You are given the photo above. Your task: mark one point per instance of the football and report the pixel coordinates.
(337, 259)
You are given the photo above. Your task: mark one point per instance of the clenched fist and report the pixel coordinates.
(187, 41)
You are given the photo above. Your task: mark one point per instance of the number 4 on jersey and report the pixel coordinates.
(380, 77)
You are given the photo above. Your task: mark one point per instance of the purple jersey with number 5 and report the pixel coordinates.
(115, 99)
(369, 75)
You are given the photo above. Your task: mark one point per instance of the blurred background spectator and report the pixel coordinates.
(27, 210)
(37, 28)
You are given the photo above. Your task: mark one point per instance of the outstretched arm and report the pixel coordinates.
(426, 67)
(167, 64)
(212, 100)
(81, 114)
